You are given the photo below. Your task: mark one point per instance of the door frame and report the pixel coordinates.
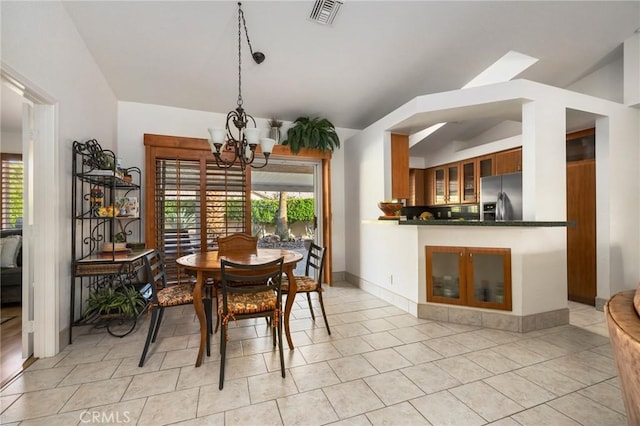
(40, 279)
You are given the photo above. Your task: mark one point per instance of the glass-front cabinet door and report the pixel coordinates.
(453, 183)
(439, 186)
(486, 165)
(469, 182)
(445, 283)
(489, 277)
(471, 276)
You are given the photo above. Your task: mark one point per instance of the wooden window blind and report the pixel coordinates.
(11, 190)
(195, 203)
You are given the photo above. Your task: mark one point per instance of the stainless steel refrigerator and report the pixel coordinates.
(501, 197)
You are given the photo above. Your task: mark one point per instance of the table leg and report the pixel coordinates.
(199, 308)
(293, 288)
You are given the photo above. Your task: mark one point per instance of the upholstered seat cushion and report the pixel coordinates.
(175, 295)
(248, 303)
(305, 284)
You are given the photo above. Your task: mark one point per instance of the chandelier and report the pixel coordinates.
(237, 143)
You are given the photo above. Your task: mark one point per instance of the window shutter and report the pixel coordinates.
(11, 188)
(192, 198)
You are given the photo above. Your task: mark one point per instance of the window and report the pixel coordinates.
(11, 188)
(195, 202)
(184, 189)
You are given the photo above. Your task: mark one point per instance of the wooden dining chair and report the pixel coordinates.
(162, 296)
(250, 291)
(237, 243)
(232, 243)
(311, 282)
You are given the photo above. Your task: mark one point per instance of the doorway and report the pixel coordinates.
(285, 207)
(15, 110)
(40, 325)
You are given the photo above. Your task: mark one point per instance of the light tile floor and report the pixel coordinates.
(380, 366)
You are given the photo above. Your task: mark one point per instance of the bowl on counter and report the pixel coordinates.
(390, 208)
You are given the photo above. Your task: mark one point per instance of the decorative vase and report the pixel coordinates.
(274, 133)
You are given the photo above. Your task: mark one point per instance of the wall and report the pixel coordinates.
(605, 82)
(11, 142)
(42, 47)
(136, 119)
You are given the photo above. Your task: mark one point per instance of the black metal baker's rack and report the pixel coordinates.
(98, 183)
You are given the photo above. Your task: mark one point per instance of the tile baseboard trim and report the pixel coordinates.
(385, 294)
(600, 302)
(338, 276)
(497, 320)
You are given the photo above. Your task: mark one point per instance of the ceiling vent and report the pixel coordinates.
(325, 11)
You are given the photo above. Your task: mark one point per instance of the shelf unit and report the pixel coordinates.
(97, 184)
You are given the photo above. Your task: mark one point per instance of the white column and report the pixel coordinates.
(544, 161)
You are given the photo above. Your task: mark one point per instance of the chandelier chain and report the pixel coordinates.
(240, 17)
(238, 147)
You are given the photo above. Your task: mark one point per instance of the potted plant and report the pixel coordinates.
(110, 302)
(312, 132)
(274, 129)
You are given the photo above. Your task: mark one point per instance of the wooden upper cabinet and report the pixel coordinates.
(509, 161)
(486, 165)
(443, 184)
(417, 187)
(469, 181)
(429, 186)
(400, 166)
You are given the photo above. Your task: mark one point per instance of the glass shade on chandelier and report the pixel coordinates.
(239, 148)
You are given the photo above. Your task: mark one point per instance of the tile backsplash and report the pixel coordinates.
(463, 211)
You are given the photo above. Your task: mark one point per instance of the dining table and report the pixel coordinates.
(207, 265)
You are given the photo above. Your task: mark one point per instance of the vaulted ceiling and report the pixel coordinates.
(375, 57)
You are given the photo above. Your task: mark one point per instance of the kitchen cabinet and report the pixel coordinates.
(469, 276)
(400, 166)
(417, 187)
(486, 166)
(509, 161)
(446, 184)
(429, 186)
(473, 170)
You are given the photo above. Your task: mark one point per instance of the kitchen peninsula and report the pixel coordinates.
(529, 294)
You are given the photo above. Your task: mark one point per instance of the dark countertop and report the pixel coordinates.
(487, 223)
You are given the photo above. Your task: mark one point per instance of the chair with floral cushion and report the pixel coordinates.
(311, 282)
(162, 296)
(250, 291)
(233, 243)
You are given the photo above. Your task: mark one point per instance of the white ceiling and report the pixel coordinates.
(377, 56)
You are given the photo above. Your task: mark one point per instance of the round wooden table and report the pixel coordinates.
(208, 265)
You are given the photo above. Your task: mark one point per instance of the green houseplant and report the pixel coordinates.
(312, 132)
(123, 301)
